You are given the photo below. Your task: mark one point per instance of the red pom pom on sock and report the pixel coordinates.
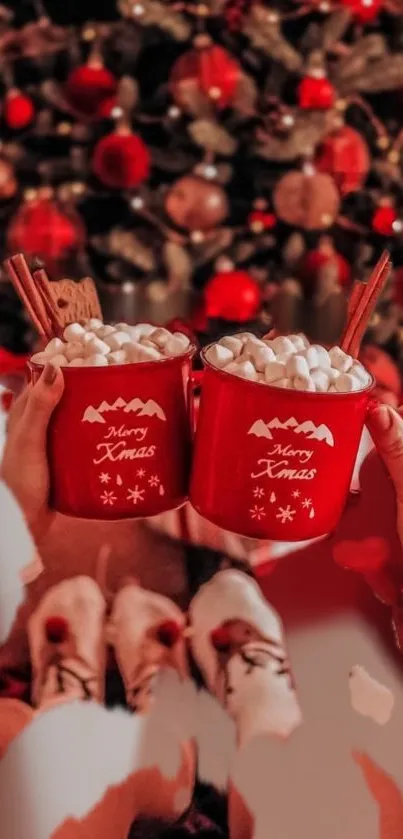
(168, 633)
(56, 629)
(220, 639)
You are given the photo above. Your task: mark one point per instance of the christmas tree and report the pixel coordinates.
(229, 155)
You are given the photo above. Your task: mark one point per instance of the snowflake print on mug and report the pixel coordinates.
(135, 495)
(285, 514)
(104, 477)
(140, 473)
(307, 502)
(154, 480)
(108, 498)
(258, 492)
(257, 512)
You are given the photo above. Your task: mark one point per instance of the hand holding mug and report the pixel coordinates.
(24, 467)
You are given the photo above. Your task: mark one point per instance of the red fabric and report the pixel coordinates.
(10, 363)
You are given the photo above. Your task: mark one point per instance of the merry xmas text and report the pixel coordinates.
(271, 467)
(114, 448)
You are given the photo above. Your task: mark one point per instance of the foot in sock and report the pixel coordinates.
(238, 644)
(146, 632)
(67, 643)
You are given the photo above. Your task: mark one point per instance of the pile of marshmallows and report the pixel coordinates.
(288, 362)
(98, 345)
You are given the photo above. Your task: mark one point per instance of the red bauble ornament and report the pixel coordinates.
(307, 199)
(88, 87)
(221, 639)
(344, 155)
(121, 160)
(364, 11)
(383, 219)
(18, 110)
(232, 295)
(314, 260)
(168, 633)
(44, 229)
(209, 71)
(316, 94)
(195, 203)
(259, 220)
(56, 629)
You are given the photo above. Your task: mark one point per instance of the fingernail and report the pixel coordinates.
(383, 417)
(49, 374)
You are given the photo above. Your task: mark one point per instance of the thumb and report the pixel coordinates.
(41, 402)
(386, 428)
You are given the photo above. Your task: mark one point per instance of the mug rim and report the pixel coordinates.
(169, 360)
(285, 391)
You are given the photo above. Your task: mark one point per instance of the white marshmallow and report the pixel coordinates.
(234, 344)
(174, 346)
(299, 342)
(303, 383)
(54, 346)
(287, 383)
(245, 336)
(282, 344)
(117, 340)
(301, 337)
(333, 374)
(219, 356)
(346, 383)
(59, 360)
(40, 358)
(258, 353)
(96, 347)
(123, 327)
(74, 350)
(332, 389)
(97, 360)
(245, 370)
(320, 380)
(88, 336)
(137, 353)
(360, 373)
(77, 362)
(312, 358)
(105, 330)
(282, 357)
(297, 366)
(182, 338)
(323, 355)
(340, 360)
(117, 357)
(274, 370)
(73, 331)
(160, 336)
(140, 330)
(94, 323)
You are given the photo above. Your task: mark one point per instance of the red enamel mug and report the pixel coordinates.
(119, 442)
(271, 463)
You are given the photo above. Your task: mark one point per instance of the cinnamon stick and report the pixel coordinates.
(24, 284)
(363, 305)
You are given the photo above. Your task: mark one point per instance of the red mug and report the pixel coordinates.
(271, 463)
(119, 442)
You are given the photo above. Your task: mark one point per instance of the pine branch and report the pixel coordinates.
(262, 27)
(158, 14)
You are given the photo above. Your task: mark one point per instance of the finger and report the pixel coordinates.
(17, 408)
(386, 428)
(41, 402)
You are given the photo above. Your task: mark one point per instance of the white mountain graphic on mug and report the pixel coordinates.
(308, 428)
(135, 406)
